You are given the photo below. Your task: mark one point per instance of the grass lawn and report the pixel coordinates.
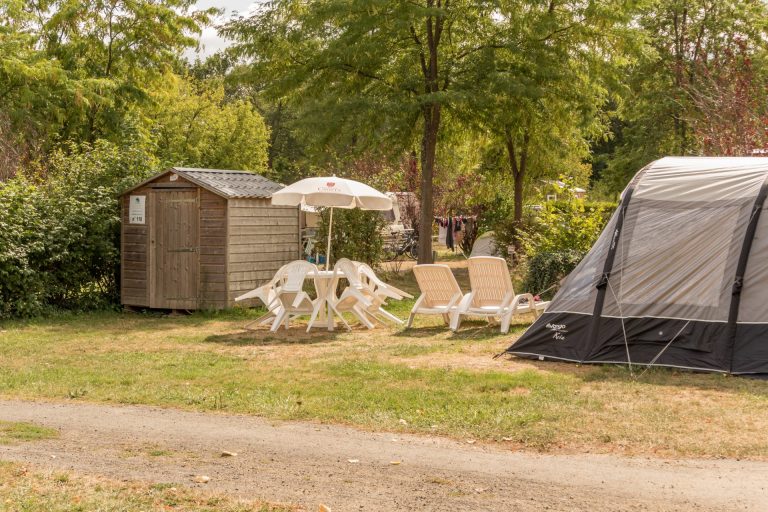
(425, 380)
(24, 490)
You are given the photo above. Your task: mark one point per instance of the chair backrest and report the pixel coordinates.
(489, 280)
(350, 270)
(295, 273)
(437, 284)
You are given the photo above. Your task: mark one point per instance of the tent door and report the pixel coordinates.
(175, 249)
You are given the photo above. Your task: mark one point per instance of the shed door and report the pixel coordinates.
(176, 249)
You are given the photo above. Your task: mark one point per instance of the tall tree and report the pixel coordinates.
(546, 82)
(121, 47)
(369, 70)
(685, 44)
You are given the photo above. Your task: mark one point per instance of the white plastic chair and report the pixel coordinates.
(267, 294)
(440, 293)
(492, 294)
(355, 298)
(382, 291)
(291, 297)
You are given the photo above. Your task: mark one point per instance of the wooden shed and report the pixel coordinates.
(198, 238)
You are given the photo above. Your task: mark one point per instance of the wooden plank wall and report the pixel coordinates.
(262, 238)
(213, 251)
(134, 287)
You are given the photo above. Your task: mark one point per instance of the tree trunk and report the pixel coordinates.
(431, 112)
(517, 170)
(428, 150)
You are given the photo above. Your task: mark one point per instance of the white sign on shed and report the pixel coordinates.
(137, 210)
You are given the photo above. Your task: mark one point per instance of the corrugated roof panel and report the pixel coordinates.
(232, 184)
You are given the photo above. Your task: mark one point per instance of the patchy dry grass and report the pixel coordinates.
(15, 432)
(25, 490)
(437, 381)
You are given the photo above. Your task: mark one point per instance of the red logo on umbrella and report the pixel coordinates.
(330, 184)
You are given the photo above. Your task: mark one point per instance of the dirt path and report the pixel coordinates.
(308, 464)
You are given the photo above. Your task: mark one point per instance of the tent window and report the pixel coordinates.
(677, 256)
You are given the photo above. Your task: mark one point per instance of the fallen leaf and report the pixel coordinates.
(470, 441)
(395, 462)
(479, 490)
(225, 453)
(403, 422)
(323, 508)
(201, 479)
(353, 461)
(507, 439)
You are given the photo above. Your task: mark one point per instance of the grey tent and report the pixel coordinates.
(679, 276)
(485, 245)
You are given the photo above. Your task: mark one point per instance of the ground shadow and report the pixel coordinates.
(656, 376)
(262, 336)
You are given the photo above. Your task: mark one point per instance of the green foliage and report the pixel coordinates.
(356, 235)
(196, 126)
(60, 240)
(21, 287)
(683, 46)
(566, 225)
(558, 237)
(545, 270)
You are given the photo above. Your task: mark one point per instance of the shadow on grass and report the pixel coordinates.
(469, 330)
(656, 376)
(263, 337)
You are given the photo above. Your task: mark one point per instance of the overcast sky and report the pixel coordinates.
(209, 39)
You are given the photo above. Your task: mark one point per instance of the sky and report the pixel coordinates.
(210, 41)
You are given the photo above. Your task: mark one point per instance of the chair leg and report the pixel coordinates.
(455, 321)
(361, 317)
(315, 312)
(340, 316)
(278, 320)
(389, 315)
(410, 320)
(446, 319)
(262, 319)
(505, 321)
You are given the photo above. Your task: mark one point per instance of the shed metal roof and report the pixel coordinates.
(226, 183)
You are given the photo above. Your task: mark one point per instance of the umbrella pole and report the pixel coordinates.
(328, 251)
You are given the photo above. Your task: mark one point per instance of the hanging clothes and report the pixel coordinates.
(449, 234)
(442, 233)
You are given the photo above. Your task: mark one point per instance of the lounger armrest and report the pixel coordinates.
(519, 297)
(454, 300)
(417, 304)
(466, 302)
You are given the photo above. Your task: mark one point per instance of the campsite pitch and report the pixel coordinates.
(426, 380)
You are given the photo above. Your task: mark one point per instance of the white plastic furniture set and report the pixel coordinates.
(364, 297)
(491, 293)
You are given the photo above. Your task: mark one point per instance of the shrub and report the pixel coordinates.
(356, 235)
(60, 239)
(21, 286)
(558, 238)
(545, 270)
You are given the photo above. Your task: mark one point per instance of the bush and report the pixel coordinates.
(558, 238)
(566, 225)
(356, 235)
(21, 245)
(60, 239)
(546, 270)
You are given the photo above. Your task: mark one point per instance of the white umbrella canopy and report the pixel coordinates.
(332, 192)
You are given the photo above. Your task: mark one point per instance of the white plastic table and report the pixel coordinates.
(326, 282)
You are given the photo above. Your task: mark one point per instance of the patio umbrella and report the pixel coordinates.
(332, 192)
